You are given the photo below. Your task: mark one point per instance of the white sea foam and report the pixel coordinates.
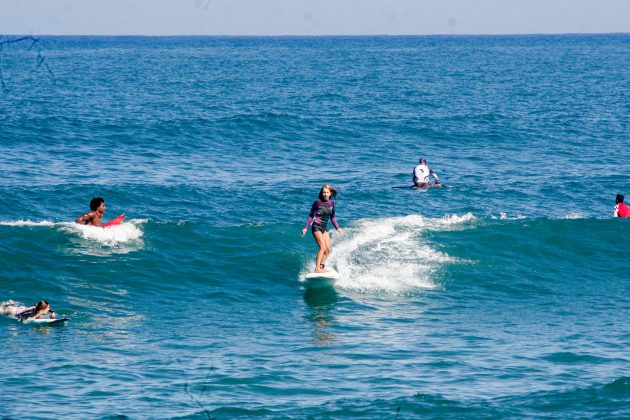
(27, 223)
(574, 215)
(139, 221)
(390, 254)
(504, 216)
(451, 220)
(113, 235)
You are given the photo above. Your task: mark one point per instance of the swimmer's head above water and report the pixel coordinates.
(95, 203)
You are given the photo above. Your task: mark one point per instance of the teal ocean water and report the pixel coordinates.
(505, 295)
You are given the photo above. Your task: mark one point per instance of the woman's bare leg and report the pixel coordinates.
(321, 241)
(326, 249)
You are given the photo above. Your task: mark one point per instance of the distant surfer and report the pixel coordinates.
(322, 210)
(38, 311)
(94, 217)
(421, 175)
(621, 208)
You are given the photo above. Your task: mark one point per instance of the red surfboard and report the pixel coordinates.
(115, 221)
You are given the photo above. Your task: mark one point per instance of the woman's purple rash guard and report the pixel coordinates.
(321, 212)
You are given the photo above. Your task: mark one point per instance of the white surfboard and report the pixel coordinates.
(46, 321)
(325, 279)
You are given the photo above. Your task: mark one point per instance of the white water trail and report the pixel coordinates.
(391, 254)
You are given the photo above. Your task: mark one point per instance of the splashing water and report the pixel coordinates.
(111, 236)
(390, 254)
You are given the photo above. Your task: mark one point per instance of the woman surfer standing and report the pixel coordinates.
(323, 209)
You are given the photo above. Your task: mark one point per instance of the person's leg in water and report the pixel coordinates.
(322, 254)
(9, 308)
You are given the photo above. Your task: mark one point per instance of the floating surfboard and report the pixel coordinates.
(325, 279)
(46, 321)
(422, 188)
(115, 221)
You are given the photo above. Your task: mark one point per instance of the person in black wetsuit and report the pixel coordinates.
(322, 210)
(21, 313)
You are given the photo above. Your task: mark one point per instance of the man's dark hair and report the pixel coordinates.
(619, 199)
(96, 203)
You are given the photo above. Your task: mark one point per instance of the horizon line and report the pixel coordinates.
(321, 35)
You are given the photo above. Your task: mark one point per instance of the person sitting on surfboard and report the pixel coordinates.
(322, 210)
(421, 175)
(40, 310)
(621, 208)
(94, 217)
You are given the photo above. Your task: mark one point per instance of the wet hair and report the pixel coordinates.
(422, 160)
(96, 203)
(41, 305)
(619, 199)
(333, 191)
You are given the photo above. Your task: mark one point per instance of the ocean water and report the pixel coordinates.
(504, 295)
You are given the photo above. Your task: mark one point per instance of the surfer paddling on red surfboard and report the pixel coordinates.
(322, 210)
(95, 217)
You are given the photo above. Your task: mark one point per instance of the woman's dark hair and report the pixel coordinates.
(96, 203)
(40, 305)
(333, 191)
(619, 198)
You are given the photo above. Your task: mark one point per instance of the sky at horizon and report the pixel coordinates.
(312, 17)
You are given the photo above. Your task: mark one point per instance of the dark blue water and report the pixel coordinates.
(505, 294)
